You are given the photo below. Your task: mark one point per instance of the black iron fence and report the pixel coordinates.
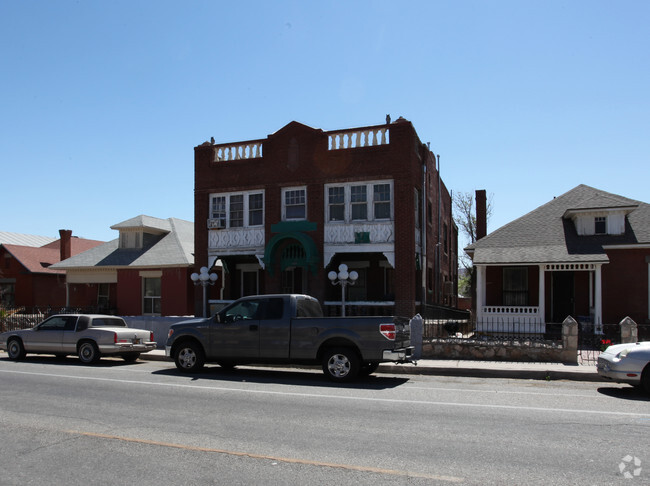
(26, 317)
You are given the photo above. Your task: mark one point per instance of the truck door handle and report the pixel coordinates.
(253, 327)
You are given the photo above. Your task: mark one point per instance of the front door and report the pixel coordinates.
(562, 303)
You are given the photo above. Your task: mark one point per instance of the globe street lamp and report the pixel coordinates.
(345, 278)
(204, 278)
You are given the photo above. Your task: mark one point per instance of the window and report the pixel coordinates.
(336, 203)
(445, 238)
(7, 293)
(102, 295)
(295, 204)
(600, 225)
(130, 239)
(255, 209)
(236, 210)
(416, 203)
(151, 295)
(515, 286)
(359, 202)
(382, 193)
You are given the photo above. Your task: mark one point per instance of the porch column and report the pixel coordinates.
(598, 301)
(480, 291)
(542, 295)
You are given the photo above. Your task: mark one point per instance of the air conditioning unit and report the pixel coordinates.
(216, 223)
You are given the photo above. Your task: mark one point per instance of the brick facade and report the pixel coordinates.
(281, 253)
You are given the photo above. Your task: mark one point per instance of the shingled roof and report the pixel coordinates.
(41, 259)
(172, 245)
(548, 235)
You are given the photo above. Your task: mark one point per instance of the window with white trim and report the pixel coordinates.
(368, 201)
(600, 225)
(237, 210)
(294, 203)
(151, 290)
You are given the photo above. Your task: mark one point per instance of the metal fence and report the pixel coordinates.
(12, 318)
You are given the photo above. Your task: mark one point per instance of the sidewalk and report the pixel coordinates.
(473, 369)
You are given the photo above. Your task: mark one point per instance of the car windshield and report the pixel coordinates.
(108, 322)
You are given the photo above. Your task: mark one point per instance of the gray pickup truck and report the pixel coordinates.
(289, 328)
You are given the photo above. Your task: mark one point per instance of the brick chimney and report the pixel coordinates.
(481, 214)
(65, 244)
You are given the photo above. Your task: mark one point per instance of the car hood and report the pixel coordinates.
(617, 348)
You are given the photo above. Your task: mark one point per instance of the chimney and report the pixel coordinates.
(65, 244)
(481, 214)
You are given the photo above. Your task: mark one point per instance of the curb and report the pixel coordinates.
(541, 372)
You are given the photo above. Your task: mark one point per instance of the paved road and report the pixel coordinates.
(143, 423)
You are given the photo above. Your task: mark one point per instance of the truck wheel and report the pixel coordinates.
(189, 357)
(15, 349)
(88, 352)
(341, 364)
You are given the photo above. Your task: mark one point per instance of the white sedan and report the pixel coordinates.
(89, 336)
(626, 363)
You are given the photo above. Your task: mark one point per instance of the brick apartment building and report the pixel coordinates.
(277, 214)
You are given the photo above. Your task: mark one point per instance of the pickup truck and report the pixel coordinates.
(289, 329)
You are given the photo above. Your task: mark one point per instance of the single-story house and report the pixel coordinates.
(27, 276)
(146, 271)
(584, 254)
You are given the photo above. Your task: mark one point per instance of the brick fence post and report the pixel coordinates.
(570, 340)
(629, 332)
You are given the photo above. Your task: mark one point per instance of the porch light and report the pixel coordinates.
(343, 278)
(204, 278)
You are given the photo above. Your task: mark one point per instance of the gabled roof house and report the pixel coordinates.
(146, 271)
(585, 254)
(27, 276)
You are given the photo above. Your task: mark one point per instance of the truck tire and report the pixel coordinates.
(189, 357)
(341, 364)
(645, 379)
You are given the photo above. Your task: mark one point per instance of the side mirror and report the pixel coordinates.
(217, 318)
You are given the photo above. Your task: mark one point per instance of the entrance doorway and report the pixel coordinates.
(562, 303)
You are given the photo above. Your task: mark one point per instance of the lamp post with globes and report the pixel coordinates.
(204, 278)
(343, 278)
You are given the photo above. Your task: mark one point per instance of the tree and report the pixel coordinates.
(465, 218)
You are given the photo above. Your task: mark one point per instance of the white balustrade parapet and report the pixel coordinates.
(239, 151)
(368, 137)
(234, 238)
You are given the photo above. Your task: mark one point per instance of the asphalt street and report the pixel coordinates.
(146, 423)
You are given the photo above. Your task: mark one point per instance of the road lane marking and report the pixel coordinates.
(290, 460)
(339, 397)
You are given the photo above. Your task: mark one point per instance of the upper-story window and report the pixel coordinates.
(131, 239)
(600, 225)
(294, 203)
(368, 201)
(237, 210)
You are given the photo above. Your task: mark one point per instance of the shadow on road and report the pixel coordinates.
(626, 393)
(290, 377)
(71, 360)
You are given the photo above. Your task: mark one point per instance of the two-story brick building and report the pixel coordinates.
(279, 213)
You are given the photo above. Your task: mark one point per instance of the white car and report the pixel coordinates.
(89, 336)
(626, 363)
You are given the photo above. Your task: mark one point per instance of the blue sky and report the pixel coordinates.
(102, 102)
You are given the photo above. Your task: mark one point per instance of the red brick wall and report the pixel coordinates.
(298, 155)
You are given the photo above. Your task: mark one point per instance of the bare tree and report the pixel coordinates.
(465, 218)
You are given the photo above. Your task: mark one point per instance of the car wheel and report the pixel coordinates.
(189, 357)
(131, 357)
(341, 364)
(15, 349)
(645, 378)
(88, 352)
